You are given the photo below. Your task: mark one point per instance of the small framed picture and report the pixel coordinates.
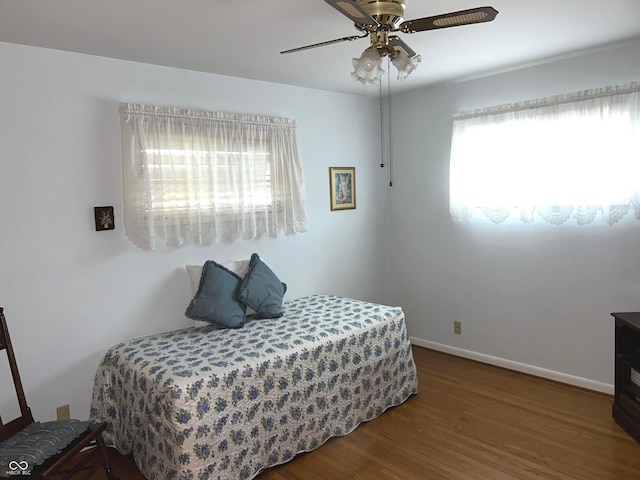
(104, 218)
(342, 182)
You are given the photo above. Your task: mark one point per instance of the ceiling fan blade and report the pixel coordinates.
(395, 41)
(453, 19)
(354, 11)
(329, 42)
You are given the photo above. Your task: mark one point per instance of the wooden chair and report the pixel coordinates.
(50, 450)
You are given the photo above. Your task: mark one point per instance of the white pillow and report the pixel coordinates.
(239, 267)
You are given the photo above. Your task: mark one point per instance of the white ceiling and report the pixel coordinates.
(243, 38)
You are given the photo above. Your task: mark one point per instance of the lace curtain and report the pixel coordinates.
(193, 175)
(574, 156)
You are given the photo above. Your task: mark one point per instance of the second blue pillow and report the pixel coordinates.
(262, 290)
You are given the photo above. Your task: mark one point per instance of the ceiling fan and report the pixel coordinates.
(377, 19)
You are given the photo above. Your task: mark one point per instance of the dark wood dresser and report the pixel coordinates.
(626, 403)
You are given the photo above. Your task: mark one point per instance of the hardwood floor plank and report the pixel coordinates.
(472, 421)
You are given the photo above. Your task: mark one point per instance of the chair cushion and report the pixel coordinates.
(36, 443)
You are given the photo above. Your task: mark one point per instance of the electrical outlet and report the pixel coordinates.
(63, 413)
(457, 328)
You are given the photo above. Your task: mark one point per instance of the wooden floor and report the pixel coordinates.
(472, 421)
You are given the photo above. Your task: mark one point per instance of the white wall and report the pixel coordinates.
(533, 297)
(70, 292)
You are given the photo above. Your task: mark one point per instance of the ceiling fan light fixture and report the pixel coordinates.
(376, 19)
(405, 64)
(367, 69)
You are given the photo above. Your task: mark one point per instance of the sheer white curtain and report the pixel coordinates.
(570, 156)
(194, 175)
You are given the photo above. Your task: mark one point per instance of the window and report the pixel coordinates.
(572, 156)
(217, 173)
(202, 176)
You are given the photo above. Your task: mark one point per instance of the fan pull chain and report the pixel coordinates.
(389, 122)
(382, 152)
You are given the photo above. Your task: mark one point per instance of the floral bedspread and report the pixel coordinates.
(205, 403)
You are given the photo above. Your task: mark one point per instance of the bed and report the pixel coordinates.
(203, 403)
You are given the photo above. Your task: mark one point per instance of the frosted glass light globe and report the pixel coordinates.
(366, 69)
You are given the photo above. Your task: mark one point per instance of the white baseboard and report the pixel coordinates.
(518, 367)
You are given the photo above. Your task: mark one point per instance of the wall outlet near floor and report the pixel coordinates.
(63, 413)
(457, 328)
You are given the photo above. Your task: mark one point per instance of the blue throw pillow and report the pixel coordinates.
(216, 300)
(262, 290)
